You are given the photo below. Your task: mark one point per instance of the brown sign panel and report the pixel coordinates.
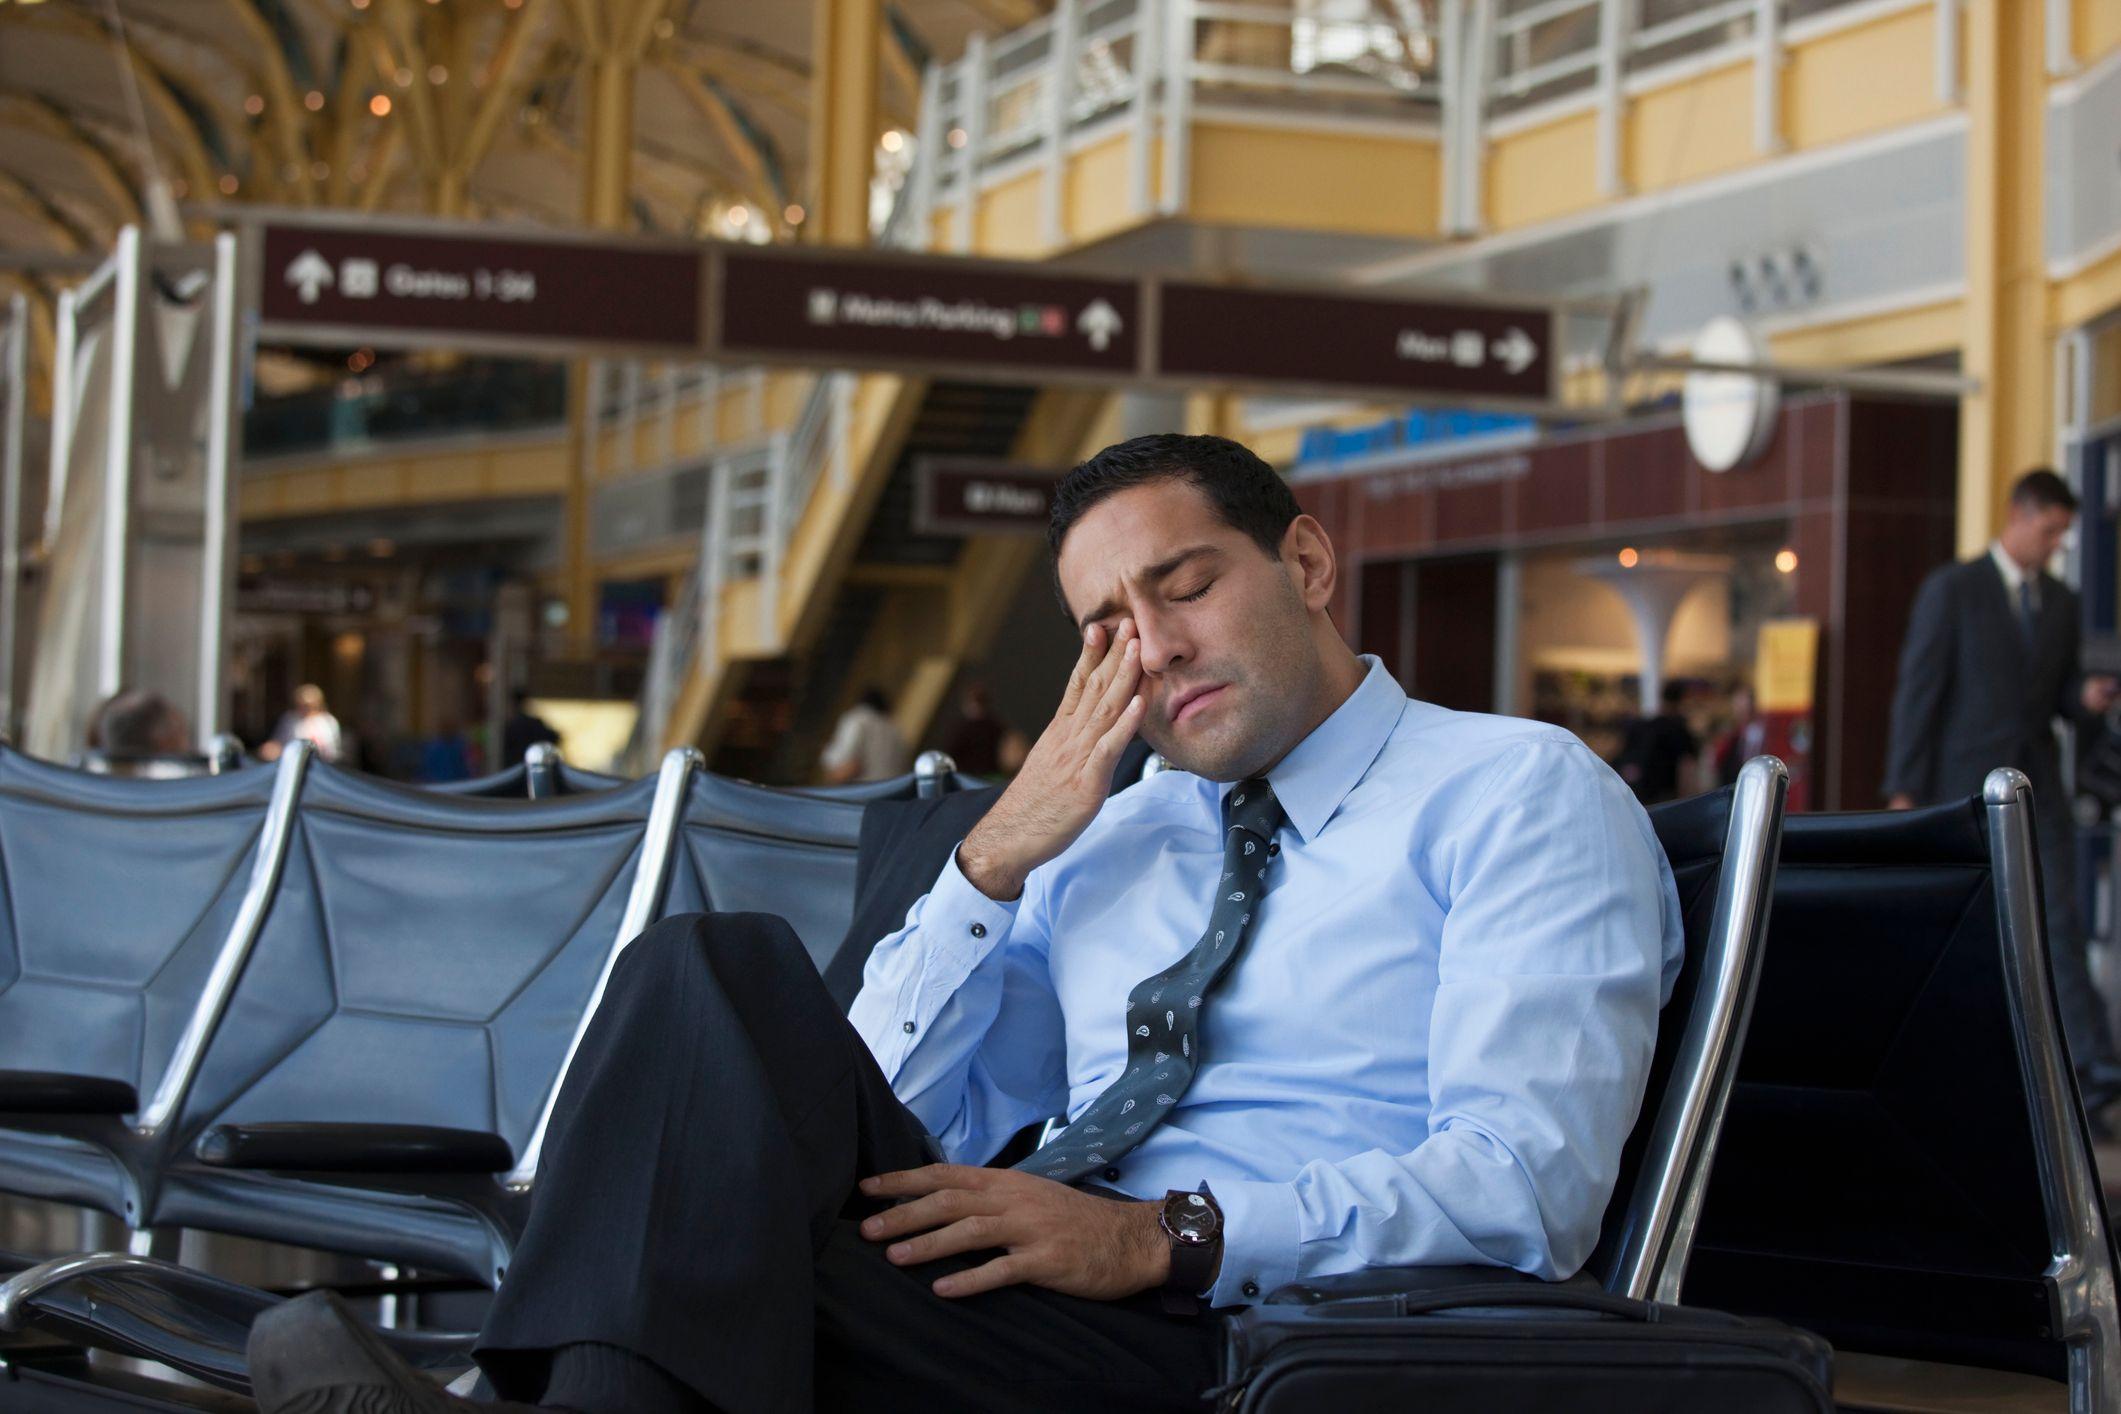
(1480, 352)
(950, 314)
(973, 496)
(476, 289)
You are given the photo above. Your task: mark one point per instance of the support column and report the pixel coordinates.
(2007, 426)
(614, 35)
(846, 38)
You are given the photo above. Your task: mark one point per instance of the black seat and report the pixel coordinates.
(391, 1051)
(1904, 1168)
(540, 775)
(120, 897)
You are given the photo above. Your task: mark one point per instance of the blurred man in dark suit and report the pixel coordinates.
(1989, 663)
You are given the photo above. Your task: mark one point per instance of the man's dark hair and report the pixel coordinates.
(874, 697)
(134, 723)
(2041, 490)
(1245, 492)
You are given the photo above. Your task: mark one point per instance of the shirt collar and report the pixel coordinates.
(1317, 774)
(2013, 575)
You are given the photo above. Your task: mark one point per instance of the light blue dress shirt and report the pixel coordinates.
(1431, 1048)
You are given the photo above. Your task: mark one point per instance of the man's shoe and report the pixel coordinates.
(313, 1356)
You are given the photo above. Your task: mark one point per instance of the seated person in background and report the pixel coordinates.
(866, 745)
(1362, 982)
(137, 732)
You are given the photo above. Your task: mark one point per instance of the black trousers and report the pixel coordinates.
(696, 1206)
(2082, 1008)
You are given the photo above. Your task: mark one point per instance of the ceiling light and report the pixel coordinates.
(313, 101)
(794, 215)
(1628, 557)
(437, 74)
(228, 184)
(894, 140)
(254, 105)
(380, 105)
(1786, 560)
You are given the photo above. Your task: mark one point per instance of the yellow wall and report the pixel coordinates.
(1098, 198)
(1688, 130)
(508, 469)
(1543, 172)
(1864, 79)
(1323, 181)
(2096, 30)
(1010, 218)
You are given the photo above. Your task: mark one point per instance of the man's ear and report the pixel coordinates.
(1307, 551)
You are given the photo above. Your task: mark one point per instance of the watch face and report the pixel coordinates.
(1190, 1218)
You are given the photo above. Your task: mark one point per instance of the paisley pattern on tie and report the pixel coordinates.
(1162, 1058)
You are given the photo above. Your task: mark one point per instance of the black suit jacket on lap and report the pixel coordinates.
(1973, 694)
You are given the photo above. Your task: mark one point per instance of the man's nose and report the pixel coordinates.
(1162, 646)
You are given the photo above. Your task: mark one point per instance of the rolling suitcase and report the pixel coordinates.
(1530, 1349)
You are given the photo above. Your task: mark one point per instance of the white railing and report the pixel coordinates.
(1022, 100)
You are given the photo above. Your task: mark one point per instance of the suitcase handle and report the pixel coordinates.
(1557, 1296)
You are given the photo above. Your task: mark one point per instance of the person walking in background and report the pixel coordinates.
(1989, 663)
(523, 730)
(982, 744)
(1658, 749)
(307, 720)
(1742, 740)
(866, 745)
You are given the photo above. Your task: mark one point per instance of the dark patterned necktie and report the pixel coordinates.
(1164, 1011)
(2028, 609)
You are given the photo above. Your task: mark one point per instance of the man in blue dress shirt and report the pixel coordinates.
(1362, 982)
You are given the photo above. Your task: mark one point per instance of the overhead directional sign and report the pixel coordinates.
(949, 314)
(981, 496)
(1218, 333)
(341, 281)
(352, 283)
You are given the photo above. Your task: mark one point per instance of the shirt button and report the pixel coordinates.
(907, 1028)
(1111, 1175)
(979, 930)
(1250, 1288)
(1273, 849)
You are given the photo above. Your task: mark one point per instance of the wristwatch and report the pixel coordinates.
(1193, 1225)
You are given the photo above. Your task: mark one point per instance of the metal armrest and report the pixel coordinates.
(187, 1320)
(354, 1148)
(47, 1092)
(1372, 1283)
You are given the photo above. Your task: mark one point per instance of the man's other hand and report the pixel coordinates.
(1068, 771)
(1051, 1235)
(2100, 691)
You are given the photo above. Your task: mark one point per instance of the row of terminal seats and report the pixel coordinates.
(306, 1006)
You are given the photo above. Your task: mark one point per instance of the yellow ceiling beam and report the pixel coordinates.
(757, 185)
(190, 147)
(283, 106)
(31, 113)
(846, 35)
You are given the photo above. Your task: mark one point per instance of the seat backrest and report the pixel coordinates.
(745, 848)
(428, 958)
(1880, 1179)
(119, 895)
(508, 783)
(1721, 848)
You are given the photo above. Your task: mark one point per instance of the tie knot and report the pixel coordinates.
(1251, 806)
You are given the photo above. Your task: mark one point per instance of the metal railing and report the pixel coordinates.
(1144, 65)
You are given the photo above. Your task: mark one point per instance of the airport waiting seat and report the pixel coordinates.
(129, 906)
(746, 848)
(542, 774)
(1905, 1168)
(383, 1072)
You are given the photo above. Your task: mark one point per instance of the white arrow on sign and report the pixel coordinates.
(309, 272)
(1101, 322)
(1516, 349)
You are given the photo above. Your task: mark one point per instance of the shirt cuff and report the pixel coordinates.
(1260, 1239)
